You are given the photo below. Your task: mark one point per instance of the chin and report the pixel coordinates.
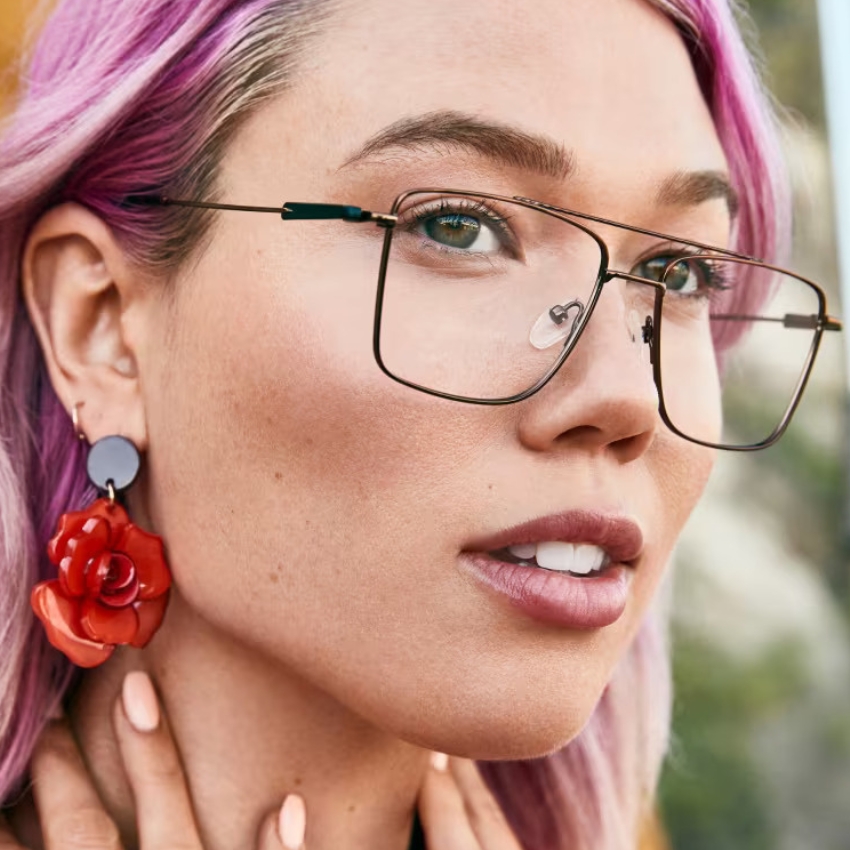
(510, 730)
(513, 743)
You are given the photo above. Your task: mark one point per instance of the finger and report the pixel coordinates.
(285, 829)
(485, 815)
(443, 814)
(163, 808)
(68, 806)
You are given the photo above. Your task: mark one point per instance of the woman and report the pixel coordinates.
(434, 519)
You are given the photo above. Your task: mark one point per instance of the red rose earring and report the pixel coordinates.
(113, 582)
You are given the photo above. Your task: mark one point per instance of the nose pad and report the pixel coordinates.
(559, 323)
(639, 332)
(555, 325)
(606, 398)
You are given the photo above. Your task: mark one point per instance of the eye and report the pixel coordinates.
(684, 275)
(462, 226)
(461, 231)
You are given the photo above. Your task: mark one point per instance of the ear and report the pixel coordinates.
(82, 293)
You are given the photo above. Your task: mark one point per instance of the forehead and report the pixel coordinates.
(609, 80)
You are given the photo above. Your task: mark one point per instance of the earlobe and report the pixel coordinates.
(78, 287)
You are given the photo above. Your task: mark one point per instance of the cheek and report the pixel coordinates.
(679, 472)
(313, 509)
(290, 473)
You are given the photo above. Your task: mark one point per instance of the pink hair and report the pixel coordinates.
(104, 115)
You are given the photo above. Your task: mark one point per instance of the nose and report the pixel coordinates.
(603, 400)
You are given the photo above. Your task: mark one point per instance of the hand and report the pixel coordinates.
(70, 812)
(456, 808)
(459, 812)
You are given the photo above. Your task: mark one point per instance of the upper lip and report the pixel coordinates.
(619, 536)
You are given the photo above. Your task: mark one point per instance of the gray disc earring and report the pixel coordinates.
(113, 464)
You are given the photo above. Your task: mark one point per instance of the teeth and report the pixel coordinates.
(579, 558)
(588, 558)
(556, 556)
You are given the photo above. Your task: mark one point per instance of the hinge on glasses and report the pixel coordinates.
(811, 322)
(383, 219)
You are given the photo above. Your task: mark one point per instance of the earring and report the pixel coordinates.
(113, 582)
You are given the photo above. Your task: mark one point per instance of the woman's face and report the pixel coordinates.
(339, 522)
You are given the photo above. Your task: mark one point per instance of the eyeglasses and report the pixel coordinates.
(481, 298)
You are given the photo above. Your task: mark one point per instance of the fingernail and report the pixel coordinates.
(439, 761)
(140, 704)
(293, 822)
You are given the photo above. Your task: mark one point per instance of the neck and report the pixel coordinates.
(249, 732)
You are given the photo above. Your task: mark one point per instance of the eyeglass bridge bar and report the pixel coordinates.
(587, 217)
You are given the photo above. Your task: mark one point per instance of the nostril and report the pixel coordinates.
(631, 448)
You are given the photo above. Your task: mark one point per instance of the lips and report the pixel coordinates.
(557, 597)
(620, 538)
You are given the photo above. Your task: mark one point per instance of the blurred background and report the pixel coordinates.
(761, 596)
(761, 751)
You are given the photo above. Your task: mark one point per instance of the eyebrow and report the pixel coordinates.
(690, 188)
(500, 143)
(510, 146)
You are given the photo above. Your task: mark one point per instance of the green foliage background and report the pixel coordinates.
(717, 793)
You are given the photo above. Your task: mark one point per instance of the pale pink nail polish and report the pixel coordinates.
(140, 703)
(439, 761)
(293, 822)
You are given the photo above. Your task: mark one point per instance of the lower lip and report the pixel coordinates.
(555, 598)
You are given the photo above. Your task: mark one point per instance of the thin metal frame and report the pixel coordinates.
(652, 335)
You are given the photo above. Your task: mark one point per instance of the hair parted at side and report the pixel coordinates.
(127, 96)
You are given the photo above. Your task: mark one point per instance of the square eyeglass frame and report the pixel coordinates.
(818, 323)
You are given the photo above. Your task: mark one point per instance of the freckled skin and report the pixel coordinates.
(313, 509)
(364, 490)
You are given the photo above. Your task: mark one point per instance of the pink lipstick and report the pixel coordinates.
(571, 570)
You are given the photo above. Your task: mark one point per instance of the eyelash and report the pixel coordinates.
(714, 280)
(462, 206)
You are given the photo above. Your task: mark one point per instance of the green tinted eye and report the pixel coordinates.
(680, 277)
(454, 230)
(653, 269)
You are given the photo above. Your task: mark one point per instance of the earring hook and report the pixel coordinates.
(75, 418)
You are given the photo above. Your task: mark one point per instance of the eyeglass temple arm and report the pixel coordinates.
(288, 212)
(789, 320)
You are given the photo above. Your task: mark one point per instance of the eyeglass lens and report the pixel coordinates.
(763, 324)
(482, 298)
